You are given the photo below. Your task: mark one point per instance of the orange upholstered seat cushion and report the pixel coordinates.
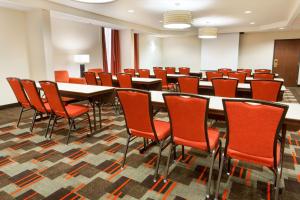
(76, 110)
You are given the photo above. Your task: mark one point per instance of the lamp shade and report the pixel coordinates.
(177, 19)
(82, 59)
(208, 33)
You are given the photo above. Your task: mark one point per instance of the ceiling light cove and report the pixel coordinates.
(94, 1)
(177, 19)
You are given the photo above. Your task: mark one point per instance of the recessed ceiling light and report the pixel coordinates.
(94, 1)
(281, 28)
(252, 23)
(248, 12)
(131, 11)
(160, 21)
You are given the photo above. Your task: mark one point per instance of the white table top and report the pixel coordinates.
(204, 75)
(215, 103)
(240, 85)
(137, 79)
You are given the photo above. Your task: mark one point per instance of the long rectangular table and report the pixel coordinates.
(143, 83)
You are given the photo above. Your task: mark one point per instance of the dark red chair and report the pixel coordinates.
(144, 73)
(130, 71)
(124, 80)
(264, 76)
(262, 71)
(188, 118)
(211, 75)
(268, 90)
(90, 78)
(154, 68)
(225, 71)
(106, 79)
(225, 87)
(139, 120)
(247, 71)
(69, 112)
(22, 99)
(41, 107)
(188, 84)
(171, 70)
(162, 74)
(184, 70)
(253, 135)
(241, 76)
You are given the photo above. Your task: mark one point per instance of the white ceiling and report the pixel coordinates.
(228, 15)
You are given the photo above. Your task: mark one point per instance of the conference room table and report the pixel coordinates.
(142, 83)
(97, 95)
(243, 90)
(204, 77)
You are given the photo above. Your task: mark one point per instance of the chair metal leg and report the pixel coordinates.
(168, 163)
(90, 124)
(99, 108)
(277, 184)
(54, 122)
(212, 157)
(219, 177)
(33, 120)
(182, 152)
(125, 153)
(70, 130)
(174, 151)
(228, 166)
(20, 116)
(158, 160)
(48, 126)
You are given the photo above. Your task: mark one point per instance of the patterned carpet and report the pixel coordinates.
(89, 167)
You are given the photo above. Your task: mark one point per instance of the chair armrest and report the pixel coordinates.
(77, 80)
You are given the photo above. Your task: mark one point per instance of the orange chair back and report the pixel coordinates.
(171, 70)
(161, 74)
(137, 108)
(33, 95)
(247, 71)
(264, 76)
(253, 130)
(267, 90)
(61, 76)
(225, 71)
(225, 87)
(106, 79)
(90, 78)
(144, 73)
(18, 90)
(241, 76)
(184, 70)
(262, 71)
(188, 119)
(124, 80)
(211, 75)
(96, 71)
(54, 99)
(154, 68)
(130, 71)
(189, 84)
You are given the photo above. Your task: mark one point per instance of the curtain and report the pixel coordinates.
(115, 52)
(136, 51)
(104, 53)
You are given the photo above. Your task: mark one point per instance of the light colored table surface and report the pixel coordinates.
(146, 80)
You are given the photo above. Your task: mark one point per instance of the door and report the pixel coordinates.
(286, 60)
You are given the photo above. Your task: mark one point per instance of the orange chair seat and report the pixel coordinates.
(169, 86)
(26, 105)
(76, 110)
(213, 138)
(162, 130)
(47, 106)
(269, 162)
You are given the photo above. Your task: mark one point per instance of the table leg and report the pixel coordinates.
(99, 108)
(94, 114)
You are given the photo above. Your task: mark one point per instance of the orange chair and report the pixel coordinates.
(130, 71)
(268, 90)
(247, 71)
(144, 73)
(90, 78)
(19, 92)
(241, 76)
(263, 76)
(62, 76)
(188, 118)
(106, 79)
(61, 111)
(253, 135)
(184, 70)
(35, 100)
(262, 71)
(225, 87)
(137, 108)
(162, 74)
(96, 70)
(211, 75)
(171, 70)
(225, 71)
(124, 80)
(154, 68)
(188, 84)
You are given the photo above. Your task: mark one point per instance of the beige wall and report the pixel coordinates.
(70, 38)
(13, 51)
(126, 49)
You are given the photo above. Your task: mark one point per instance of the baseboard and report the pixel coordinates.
(9, 106)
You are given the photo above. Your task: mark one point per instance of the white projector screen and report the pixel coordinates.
(221, 52)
